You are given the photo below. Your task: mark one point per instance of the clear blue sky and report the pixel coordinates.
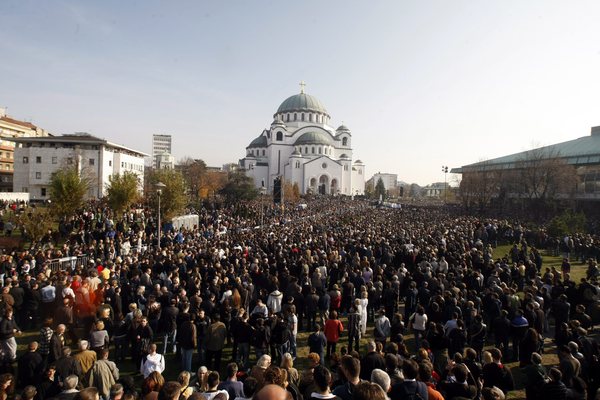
(421, 84)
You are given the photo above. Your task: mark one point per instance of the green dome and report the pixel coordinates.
(260, 141)
(302, 102)
(314, 138)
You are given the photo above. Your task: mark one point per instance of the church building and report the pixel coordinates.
(302, 148)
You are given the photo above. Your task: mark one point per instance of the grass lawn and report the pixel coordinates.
(549, 358)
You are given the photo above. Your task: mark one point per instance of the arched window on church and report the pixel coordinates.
(313, 150)
(297, 164)
(268, 135)
(302, 116)
(279, 136)
(310, 117)
(264, 153)
(346, 167)
(288, 118)
(344, 141)
(295, 117)
(320, 150)
(306, 150)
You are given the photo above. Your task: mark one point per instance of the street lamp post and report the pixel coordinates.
(159, 188)
(262, 206)
(445, 171)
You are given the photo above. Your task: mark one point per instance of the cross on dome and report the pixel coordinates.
(302, 85)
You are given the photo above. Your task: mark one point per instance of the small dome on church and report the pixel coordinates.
(277, 121)
(314, 138)
(358, 162)
(302, 102)
(260, 141)
(296, 153)
(343, 128)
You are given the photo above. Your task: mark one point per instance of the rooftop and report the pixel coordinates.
(84, 138)
(582, 151)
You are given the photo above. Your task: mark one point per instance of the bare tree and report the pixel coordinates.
(545, 175)
(479, 185)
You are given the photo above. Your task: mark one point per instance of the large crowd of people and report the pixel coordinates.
(440, 314)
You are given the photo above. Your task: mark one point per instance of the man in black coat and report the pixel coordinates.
(30, 366)
(560, 309)
(31, 305)
(57, 343)
(67, 365)
(410, 387)
(18, 295)
(169, 324)
(456, 385)
(311, 305)
(501, 329)
(371, 361)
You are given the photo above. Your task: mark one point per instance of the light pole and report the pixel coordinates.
(445, 171)
(159, 188)
(262, 206)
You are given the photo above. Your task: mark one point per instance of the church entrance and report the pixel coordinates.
(334, 187)
(324, 184)
(313, 185)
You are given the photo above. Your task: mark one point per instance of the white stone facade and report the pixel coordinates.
(304, 149)
(36, 159)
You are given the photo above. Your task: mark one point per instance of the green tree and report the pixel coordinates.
(238, 187)
(173, 198)
(380, 189)
(68, 189)
(122, 191)
(36, 223)
(569, 222)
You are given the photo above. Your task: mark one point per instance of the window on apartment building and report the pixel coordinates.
(38, 175)
(25, 160)
(110, 163)
(54, 160)
(43, 192)
(38, 160)
(92, 161)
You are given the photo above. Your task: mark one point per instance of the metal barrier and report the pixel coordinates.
(65, 263)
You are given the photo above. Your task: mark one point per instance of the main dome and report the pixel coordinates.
(313, 138)
(302, 102)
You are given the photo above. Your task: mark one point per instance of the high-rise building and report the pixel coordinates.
(160, 144)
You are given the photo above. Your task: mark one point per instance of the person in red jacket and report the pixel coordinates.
(333, 330)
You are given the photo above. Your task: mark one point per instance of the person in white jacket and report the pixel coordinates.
(274, 301)
(152, 362)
